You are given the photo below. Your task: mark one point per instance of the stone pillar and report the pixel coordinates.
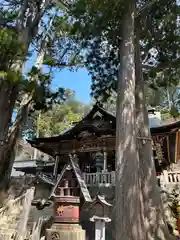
(100, 229)
(165, 174)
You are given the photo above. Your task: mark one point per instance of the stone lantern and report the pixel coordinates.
(66, 199)
(99, 215)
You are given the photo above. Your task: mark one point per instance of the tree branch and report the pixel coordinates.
(20, 118)
(146, 7)
(40, 15)
(21, 15)
(62, 3)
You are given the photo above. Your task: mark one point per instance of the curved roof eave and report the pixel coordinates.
(165, 128)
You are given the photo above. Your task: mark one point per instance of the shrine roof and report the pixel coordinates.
(88, 123)
(167, 128)
(101, 199)
(98, 122)
(34, 169)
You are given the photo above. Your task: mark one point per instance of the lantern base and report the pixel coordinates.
(65, 231)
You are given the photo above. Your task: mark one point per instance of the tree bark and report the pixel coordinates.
(8, 93)
(8, 149)
(8, 96)
(127, 203)
(155, 226)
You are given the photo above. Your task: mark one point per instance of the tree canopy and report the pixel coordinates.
(60, 117)
(98, 25)
(29, 27)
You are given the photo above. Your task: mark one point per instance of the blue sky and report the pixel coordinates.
(79, 81)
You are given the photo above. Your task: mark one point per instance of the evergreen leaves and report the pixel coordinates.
(98, 26)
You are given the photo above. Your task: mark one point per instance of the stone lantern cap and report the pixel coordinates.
(96, 218)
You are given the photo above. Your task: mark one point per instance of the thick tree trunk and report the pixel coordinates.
(155, 226)
(8, 97)
(127, 204)
(6, 158)
(8, 94)
(8, 150)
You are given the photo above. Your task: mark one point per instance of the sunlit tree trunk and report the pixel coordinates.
(155, 226)
(127, 204)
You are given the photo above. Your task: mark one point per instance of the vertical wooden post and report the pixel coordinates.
(105, 160)
(178, 224)
(56, 167)
(178, 219)
(165, 174)
(29, 196)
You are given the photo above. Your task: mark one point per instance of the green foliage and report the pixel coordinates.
(62, 48)
(60, 117)
(26, 26)
(174, 112)
(49, 61)
(166, 116)
(11, 47)
(155, 97)
(12, 51)
(51, 36)
(174, 202)
(56, 119)
(164, 111)
(55, 43)
(98, 25)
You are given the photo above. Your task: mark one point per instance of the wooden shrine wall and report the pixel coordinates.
(177, 149)
(84, 145)
(170, 145)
